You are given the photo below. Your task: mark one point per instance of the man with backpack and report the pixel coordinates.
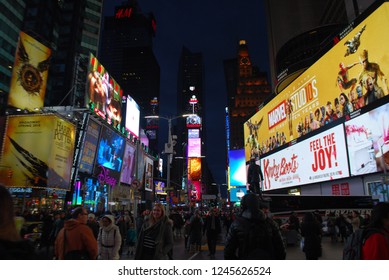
(372, 242)
(252, 235)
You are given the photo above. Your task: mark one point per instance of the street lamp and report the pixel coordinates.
(169, 145)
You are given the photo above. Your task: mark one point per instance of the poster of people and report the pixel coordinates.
(39, 150)
(352, 75)
(128, 170)
(29, 74)
(103, 93)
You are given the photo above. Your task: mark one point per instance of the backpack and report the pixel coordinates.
(352, 249)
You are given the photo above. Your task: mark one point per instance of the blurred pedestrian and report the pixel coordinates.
(109, 240)
(252, 235)
(93, 224)
(155, 240)
(376, 246)
(311, 231)
(12, 246)
(195, 236)
(76, 240)
(212, 228)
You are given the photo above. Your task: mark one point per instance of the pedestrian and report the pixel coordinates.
(254, 177)
(12, 246)
(109, 240)
(212, 229)
(195, 235)
(376, 246)
(252, 235)
(75, 240)
(311, 231)
(131, 239)
(93, 224)
(155, 240)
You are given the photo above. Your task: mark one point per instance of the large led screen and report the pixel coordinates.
(90, 147)
(194, 147)
(368, 141)
(103, 93)
(132, 116)
(128, 171)
(39, 150)
(109, 159)
(29, 74)
(322, 157)
(237, 163)
(347, 78)
(236, 194)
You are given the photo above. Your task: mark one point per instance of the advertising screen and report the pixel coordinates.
(128, 171)
(194, 147)
(348, 77)
(236, 194)
(90, 147)
(109, 159)
(368, 141)
(103, 93)
(132, 117)
(322, 157)
(237, 168)
(29, 74)
(39, 150)
(159, 187)
(148, 174)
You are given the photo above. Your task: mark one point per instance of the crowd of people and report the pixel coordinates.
(250, 232)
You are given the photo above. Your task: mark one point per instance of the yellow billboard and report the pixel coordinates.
(29, 75)
(38, 151)
(348, 77)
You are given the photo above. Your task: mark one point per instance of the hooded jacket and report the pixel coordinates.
(254, 236)
(109, 240)
(78, 237)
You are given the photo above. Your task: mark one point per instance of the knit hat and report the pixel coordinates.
(91, 215)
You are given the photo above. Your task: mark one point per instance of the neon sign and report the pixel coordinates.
(123, 13)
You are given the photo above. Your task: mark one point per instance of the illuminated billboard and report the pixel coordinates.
(132, 117)
(159, 187)
(368, 141)
(109, 158)
(29, 74)
(39, 150)
(237, 162)
(127, 174)
(194, 147)
(103, 93)
(322, 157)
(90, 146)
(347, 78)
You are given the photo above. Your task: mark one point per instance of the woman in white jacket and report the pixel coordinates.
(109, 239)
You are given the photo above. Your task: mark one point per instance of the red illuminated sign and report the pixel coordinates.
(123, 13)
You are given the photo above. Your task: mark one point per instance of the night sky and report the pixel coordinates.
(214, 28)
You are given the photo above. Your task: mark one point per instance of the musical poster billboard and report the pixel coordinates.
(39, 150)
(322, 157)
(29, 74)
(90, 146)
(348, 77)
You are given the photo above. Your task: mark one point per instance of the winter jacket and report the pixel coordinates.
(254, 237)
(78, 237)
(311, 231)
(109, 241)
(162, 234)
(376, 247)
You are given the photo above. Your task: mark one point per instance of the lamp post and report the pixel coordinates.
(168, 146)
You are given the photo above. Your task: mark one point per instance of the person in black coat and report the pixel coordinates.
(212, 227)
(12, 246)
(311, 231)
(254, 177)
(252, 235)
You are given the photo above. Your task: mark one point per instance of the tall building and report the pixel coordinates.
(11, 22)
(300, 32)
(247, 88)
(126, 52)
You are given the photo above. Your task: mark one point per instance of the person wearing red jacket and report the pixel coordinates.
(376, 246)
(76, 238)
